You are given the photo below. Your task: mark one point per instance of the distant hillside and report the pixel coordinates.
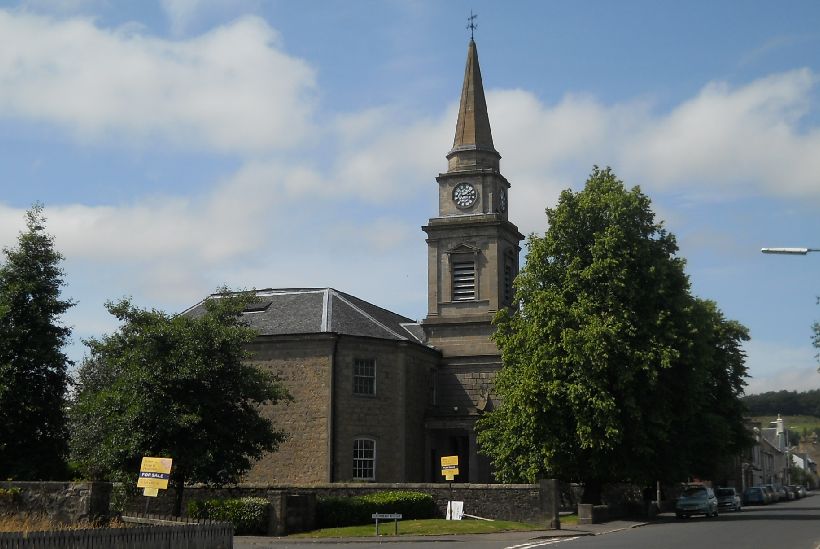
(787, 403)
(805, 428)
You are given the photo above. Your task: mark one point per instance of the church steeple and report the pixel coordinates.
(473, 246)
(473, 143)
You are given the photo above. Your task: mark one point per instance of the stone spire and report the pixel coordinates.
(473, 143)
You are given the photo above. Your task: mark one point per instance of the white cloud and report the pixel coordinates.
(231, 89)
(725, 137)
(277, 220)
(381, 156)
(775, 367)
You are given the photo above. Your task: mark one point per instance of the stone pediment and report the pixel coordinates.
(464, 248)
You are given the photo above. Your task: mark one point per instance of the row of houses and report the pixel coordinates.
(769, 459)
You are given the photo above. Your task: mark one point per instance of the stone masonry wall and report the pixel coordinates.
(496, 501)
(420, 369)
(303, 365)
(380, 417)
(60, 502)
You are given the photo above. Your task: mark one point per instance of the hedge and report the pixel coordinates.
(248, 515)
(333, 512)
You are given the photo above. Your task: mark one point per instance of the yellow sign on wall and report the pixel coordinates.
(154, 473)
(449, 467)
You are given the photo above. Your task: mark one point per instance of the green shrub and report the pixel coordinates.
(248, 515)
(334, 512)
(10, 495)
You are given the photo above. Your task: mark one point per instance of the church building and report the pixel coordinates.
(380, 397)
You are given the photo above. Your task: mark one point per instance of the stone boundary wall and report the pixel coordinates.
(72, 502)
(60, 502)
(520, 502)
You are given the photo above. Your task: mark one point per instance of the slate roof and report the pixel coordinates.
(316, 310)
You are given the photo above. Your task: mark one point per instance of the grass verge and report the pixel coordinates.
(43, 524)
(430, 527)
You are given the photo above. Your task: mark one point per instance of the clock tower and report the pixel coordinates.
(472, 255)
(472, 246)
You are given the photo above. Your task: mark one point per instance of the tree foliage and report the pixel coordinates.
(33, 368)
(612, 370)
(174, 386)
(789, 403)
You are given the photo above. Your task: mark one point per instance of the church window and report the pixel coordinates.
(364, 376)
(364, 459)
(463, 280)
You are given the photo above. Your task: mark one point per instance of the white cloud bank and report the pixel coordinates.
(777, 367)
(278, 219)
(230, 89)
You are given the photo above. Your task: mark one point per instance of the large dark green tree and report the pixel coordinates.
(174, 386)
(33, 367)
(600, 356)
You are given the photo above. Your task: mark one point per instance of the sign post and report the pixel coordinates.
(449, 469)
(154, 475)
(387, 516)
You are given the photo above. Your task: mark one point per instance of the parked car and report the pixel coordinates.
(771, 494)
(754, 496)
(802, 490)
(696, 499)
(784, 493)
(794, 490)
(728, 498)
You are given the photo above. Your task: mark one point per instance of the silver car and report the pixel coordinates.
(696, 500)
(728, 498)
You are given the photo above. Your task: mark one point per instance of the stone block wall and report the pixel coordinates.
(521, 502)
(379, 417)
(304, 366)
(393, 417)
(60, 502)
(419, 388)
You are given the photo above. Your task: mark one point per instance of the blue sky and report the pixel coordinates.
(183, 144)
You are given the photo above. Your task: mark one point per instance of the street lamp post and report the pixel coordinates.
(789, 251)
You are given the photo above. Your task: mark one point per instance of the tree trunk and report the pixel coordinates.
(179, 487)
(592, 492)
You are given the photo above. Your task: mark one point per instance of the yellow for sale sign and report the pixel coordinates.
(449, 467)
(154, 473)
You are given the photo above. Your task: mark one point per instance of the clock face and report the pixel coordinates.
(502, 201)
(464, 195)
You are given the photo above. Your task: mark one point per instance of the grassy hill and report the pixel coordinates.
(793, 423)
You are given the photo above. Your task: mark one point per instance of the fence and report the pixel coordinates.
(178, 536)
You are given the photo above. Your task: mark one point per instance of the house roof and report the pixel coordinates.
(321, 310)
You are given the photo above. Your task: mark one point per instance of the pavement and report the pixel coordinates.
(567, 530)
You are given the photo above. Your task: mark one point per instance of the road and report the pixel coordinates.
(794, 524)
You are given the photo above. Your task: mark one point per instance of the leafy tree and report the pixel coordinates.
(600, 379)
(174, 386)
(790, 403)
(33, 368)
(713, 365)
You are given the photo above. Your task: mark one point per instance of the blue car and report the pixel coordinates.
(754, 496)
(697, 500)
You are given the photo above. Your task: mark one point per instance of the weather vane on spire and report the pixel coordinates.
(471, 24)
